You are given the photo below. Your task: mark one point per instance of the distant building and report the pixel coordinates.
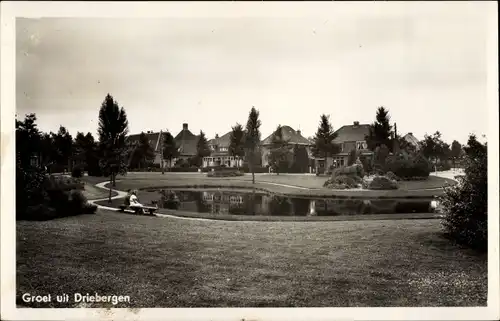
(154, 141)
(290, 135)
(349, 137)
(412, 140)
(219, 153)
(187, 143)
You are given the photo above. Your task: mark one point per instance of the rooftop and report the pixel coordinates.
(352, 133)
(289, 134)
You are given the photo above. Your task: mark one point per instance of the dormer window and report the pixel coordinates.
(361, 145)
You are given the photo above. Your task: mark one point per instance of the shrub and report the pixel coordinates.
(408, 169)
(392, 176)
(343, 182)
(77, 172)
(465, 205)
(279, 205)
(225, 173)
(353, 170)
(379, 183)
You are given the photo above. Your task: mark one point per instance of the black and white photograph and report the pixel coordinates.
(248, 156)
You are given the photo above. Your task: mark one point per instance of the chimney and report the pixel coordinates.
(298, 132)
(356, 123)
(410, 133)
(216, 136)
(185, 126)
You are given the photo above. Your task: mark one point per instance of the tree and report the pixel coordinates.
(279, 151)
(79, 149)
(252, 139)
(170, 150)
(143, 153)
(28, 141)
(112, 130)
(63, 146)
(323, 145)
(434, 148)
(202, 149)
(300, 159)
(237, 143)
(456, 151)
(465, 205)
(351, 159)
(380, 132)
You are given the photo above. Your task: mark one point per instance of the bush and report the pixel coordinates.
(392, 176)
(353, 170)
(43, 197)
(343, 182)
(257, 169)
(465, 205)
(225, 173)
(77, 172)
(379, 183)
(409, 169)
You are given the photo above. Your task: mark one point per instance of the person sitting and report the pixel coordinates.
(134, 203)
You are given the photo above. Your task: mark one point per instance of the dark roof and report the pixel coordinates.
(152, 137)
(290, 135)
(222, 141)
(186, 142)
(411, 139)
(352, 133)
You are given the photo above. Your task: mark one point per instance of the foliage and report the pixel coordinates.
(456, 151)
(434, 148)
(380, 132)
(170, 150)
(300, 159)
(380, 157)
(225, 172)
(202, 149)
(343, 181)
(237, 141)
(63, 146)
(323, 145)
(112, 130)
(416, 166)
(351, 159)
(379, 182)
(28, 140)
(279, 152)
(279, 205)
(252, 140)
(353, 170)
(143, 153)
(465, 205)
(390, 175)
(77, 172)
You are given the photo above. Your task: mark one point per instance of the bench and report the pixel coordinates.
(148, 209)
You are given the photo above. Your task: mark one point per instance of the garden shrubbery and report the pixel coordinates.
(378, 182)
(416, 168)
(465, 205)
(77, 172)
(345, 177)
(43, 197)
(225, 172)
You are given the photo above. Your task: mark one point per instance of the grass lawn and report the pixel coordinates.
(161, 262)
(93, 193)
(266, 182)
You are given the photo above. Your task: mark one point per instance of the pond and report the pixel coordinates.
(243, 202)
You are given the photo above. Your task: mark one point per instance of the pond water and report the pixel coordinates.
(260, 203)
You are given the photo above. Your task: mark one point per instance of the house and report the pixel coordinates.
(290, 135)
(154, 139)
(219, 153)
(349, 137)
(187, 143)
(412, 141)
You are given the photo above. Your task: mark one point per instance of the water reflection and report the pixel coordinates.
(258, 203)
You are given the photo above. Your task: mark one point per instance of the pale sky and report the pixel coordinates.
(428, 67)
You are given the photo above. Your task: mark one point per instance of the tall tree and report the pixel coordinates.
(63, 145)
(456, 151)
(252, 140)
(434, 148)
(380, 132)
(323, 145)
(112, 130)
(300, 159)
(237, 143)
(144, 152)
(278, 156)
(79, 149)
(202, 149)
(28, 141)
(170, 150)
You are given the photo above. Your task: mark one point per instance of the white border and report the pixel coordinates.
(10, 10)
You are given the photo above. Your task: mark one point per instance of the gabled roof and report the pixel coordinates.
(352, 133)
(411, 139)
(186, 142)
(222, 141)
(154, 139)
(289, 134)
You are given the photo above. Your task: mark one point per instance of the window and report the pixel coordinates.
(342, 147)
(361, 145)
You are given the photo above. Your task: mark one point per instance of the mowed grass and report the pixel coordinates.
(268, 183)
(162, 262)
